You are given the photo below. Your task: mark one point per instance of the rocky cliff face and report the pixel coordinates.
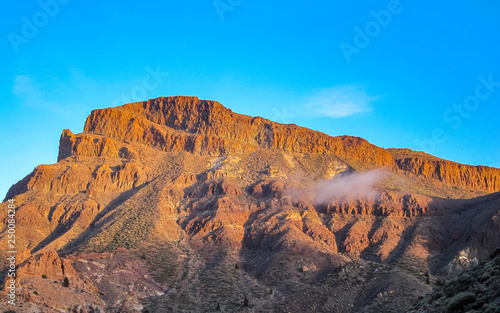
(207, 127)
(179, 204)
(474, 177)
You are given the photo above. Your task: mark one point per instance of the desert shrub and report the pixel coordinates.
(66, 282)
(436, 296)
(459, 301)
(493, 308)
(454, 286)
(44, 276)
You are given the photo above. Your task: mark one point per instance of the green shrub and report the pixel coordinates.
(459, 301)
(44, 276)
(454, 286)
(436, 296)
(66, 282)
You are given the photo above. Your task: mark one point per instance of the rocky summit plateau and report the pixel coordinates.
(178, 204)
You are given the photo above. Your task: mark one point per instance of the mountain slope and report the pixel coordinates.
(210, 206)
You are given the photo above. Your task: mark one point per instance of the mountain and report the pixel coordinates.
(178, 204)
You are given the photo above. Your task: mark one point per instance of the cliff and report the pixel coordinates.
(207, 127)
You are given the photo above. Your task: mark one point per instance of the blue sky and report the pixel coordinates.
(416, 74)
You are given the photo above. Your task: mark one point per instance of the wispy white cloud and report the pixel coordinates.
(49, 96)
(334, 102)
(341, 101)
(355, 185)
(29, 92)
(24, 86)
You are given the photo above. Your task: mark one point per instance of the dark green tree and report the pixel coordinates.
(66, 282)
(245, 302)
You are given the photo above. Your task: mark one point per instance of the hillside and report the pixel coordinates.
(181, 205)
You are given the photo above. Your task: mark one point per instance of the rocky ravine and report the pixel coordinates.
(180, 205)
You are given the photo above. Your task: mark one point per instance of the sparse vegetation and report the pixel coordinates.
(131, 227)
(44, 276)
(456, 285)
(477, 289)
(460, 301)
(65, 282)
(161, 261)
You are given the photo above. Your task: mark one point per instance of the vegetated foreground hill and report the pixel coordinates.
(475, 290)
(180, 205)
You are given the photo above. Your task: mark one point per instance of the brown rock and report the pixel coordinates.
(50, 264)
(473, 177)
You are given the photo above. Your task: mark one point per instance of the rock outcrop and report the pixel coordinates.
(384, 204)
(473, 177)
(207, 127)
(51, 266)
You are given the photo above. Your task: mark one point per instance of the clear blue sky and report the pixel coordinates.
(414, 75)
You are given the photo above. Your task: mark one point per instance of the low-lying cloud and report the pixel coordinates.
(355, 185)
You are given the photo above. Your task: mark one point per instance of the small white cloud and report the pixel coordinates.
(24, 86)
(34, 95)
(29, 92)
(355, 185)
(340, 102)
